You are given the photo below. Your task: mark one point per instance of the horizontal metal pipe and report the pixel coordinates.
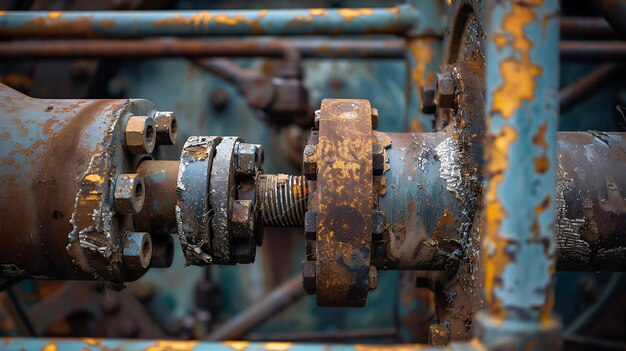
(170, 47)
(593, 50)
(282, 297)
(596, 27)
(308, 48)
(424, 212)
(92, 344)
(588, 85)
(338, 335)
(391, 20)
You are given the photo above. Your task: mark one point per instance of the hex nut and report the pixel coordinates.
(166, 127)
(372, 278)
(129, 193)
(245, 251)
(427, 101)
(374, 118)
(378, 159)
(242, 219)
(438, 334)
(137, 250)
(140, 135)
(444, 94)
(310, 225)
(378, 224)
(309, 162)
(309, 272)
(316, 119)
(249, 158)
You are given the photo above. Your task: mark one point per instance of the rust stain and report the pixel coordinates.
(50, 347)
(518, 72)
(172, 345)
(542, 164)
(350, 14)
(107, 23)
(237, 345)
(495, 247)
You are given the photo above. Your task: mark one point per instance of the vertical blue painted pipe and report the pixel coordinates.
(518, 243)
(423, 57)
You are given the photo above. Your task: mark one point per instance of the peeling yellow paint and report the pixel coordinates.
(55, 14)
(172, 345)
(50, 347)
(95, 178)
(518, 72)
(349, 14)
(237, 345)
(494, 247)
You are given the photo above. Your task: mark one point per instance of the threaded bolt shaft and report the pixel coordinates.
(283, 199)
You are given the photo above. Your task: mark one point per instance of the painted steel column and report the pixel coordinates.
(388, 20)
(518, 243)
(423, 56)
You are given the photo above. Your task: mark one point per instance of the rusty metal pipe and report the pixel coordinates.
(596, 27)
(518, 238)
(171, 47)
(593, 50)
(390, 20)
(588, 85)
(282, 297)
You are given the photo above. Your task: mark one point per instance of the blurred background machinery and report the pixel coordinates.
(434, 163)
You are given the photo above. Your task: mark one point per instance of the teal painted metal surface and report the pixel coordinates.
(391, 20)
(520, 169)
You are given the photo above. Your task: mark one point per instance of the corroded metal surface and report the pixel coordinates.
(158, 216)
(590, 202)
(518, 241)
(221, 189)
(63, 218)
(193, 210)
(345, 202)
(316, 21)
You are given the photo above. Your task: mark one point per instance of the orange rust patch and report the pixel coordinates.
(349, 14)
(172, 345)
(47, 127)
(518, 72)
(107, 23)
(494, 247)
(237, 345)
(542, 164)
(50, 347)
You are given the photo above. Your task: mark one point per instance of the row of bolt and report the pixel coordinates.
(141, 135)
(309, 166)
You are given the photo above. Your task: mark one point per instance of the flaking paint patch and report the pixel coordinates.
(449, 167)
(518, 72)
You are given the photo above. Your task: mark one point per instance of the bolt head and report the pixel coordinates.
(378, 225)
(372, 278)
(374, 118)
(309, 162)
(249, 158)
(309, 272)
(378, 159)
(427, 101)
(166, 127)
(444, 96)
(242, 219)
(438, 334)
(137, 250)
(129, 193)
(316, 119)
(310, 225)
(140, 135)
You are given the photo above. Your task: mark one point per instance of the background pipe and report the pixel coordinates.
(353, 21)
